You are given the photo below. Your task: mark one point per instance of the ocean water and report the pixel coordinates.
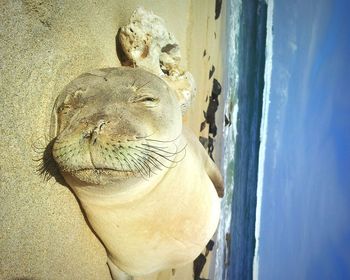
(246, 105)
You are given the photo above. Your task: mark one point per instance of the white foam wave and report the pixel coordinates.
(263, 132)
(230, 133)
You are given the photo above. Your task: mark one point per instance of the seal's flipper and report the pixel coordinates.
(116, 273)
(215, 176)
(209, 165)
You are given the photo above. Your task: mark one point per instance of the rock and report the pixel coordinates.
(198, 266)
(204, 141)
(211, 72)
(228, 120)
(210, 245)
(147, 43)
(216, 89)
(218, 4)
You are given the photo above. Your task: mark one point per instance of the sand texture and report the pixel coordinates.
(44, 45)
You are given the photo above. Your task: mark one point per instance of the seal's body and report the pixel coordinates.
(146, 184)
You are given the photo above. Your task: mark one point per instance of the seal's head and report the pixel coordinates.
(113, 124)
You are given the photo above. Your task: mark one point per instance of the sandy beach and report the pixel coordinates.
(44, 45)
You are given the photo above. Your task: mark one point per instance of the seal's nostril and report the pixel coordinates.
(87, 134)
(100, 125)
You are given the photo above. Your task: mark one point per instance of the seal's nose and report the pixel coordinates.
(93, 133)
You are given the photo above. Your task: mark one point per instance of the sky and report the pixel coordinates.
(305, 214)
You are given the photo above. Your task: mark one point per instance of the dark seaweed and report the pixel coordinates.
(209, 118)
(211, 71)
(218, 4)
(228, 120)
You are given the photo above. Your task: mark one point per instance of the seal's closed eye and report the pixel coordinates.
(63, 108)
(148, 100)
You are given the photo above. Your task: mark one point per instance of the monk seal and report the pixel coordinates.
(145, 183)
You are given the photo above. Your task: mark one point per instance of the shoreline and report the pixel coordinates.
(215, 53)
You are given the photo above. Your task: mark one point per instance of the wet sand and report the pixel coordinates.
(45, 44)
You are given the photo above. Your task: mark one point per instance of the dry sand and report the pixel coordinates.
(44, 45)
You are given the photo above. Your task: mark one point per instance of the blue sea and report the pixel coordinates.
(249, 56)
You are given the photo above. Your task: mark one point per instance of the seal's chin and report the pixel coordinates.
(98, 176)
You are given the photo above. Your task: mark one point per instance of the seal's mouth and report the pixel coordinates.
(107, 159)
(102, 171)
(99, 175)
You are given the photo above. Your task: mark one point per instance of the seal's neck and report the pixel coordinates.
(116, 192)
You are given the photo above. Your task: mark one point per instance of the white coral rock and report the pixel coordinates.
(147, 43)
